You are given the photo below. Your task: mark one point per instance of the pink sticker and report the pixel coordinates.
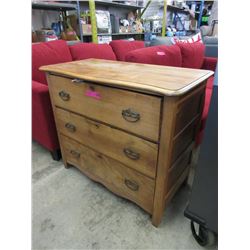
(93, 94)
(160, 53)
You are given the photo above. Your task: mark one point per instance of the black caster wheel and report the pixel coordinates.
(204, 237)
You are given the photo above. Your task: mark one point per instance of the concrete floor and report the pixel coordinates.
(72, 212)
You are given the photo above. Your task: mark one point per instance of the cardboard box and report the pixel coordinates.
(86, 29)
(46, 35)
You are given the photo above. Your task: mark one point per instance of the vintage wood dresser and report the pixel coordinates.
(128, 126)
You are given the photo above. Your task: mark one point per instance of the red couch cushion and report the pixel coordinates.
(122, 47)
(210, 82)
(48, 53)
(159, 55)
(82, 51)
(208, 95)
(192, 54)
(210, 63)
(43, 124)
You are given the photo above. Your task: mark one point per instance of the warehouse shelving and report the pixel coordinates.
(177, 9)
(115, 34)
(60, 6)
(53, 6)
(117, 4)
(76, 5)
(92, 4)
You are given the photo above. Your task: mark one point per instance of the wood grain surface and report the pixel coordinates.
(162, 80)
(111, 173)
(108, 104)
(111, 142)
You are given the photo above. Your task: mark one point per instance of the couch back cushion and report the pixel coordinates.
(48, 53)
(122, 47)
(192, 54)
(159, 55)
(82, 51)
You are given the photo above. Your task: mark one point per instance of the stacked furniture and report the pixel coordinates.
(43, 125)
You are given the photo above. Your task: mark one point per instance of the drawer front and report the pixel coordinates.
(111, 173)
(133, 151)
(133, 112)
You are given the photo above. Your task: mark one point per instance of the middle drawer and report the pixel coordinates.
(133, 151)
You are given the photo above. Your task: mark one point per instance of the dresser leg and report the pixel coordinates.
(156, 218)
(66, 165)
(159, 207)
(56, 154)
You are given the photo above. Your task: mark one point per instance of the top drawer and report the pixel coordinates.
(131, 111)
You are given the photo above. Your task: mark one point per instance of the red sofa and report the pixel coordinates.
(43, 125)
(122, 47)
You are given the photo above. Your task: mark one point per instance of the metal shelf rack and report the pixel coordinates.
(60, 6)
(53, 6)
(92, 11)
(115, 34)
(117, 4)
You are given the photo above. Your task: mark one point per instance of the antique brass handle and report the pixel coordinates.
(77, 81)
(131, 154)
(130, 115)
(70, 127)
(64, 95)
(75, 153)
(131, 185)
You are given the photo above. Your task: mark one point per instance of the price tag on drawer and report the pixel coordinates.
(93, 94)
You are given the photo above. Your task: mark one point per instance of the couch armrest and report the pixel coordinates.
(209, 63)
(43, 124)
(39, 88)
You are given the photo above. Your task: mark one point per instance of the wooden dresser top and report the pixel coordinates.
(163, 80)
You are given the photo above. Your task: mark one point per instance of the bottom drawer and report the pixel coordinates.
(114, 175)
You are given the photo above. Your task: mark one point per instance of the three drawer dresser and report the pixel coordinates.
(128, 126)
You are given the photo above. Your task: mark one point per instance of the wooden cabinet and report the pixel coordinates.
(128, 126)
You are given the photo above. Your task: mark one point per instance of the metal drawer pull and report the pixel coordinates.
(64, 95)
(70, 127)
(75, 153)
(131, 185)
(77, 81)
(130, 116)
(131, 154)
